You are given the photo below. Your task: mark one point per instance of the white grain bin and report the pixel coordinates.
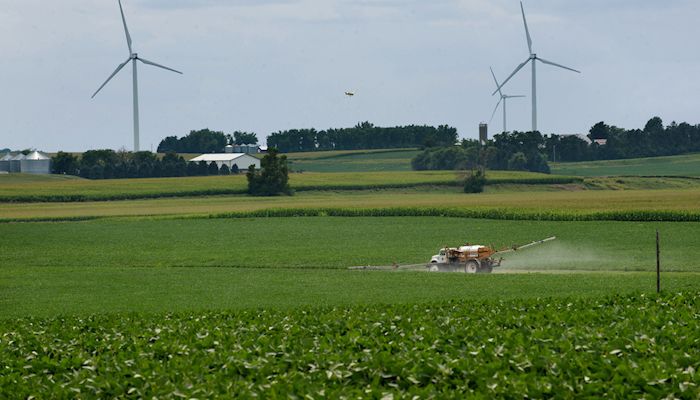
(36, 163)
(5, 162)
(16, 163)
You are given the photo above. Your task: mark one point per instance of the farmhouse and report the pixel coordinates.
(241, 160)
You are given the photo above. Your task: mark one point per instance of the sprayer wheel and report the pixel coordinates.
(472, 267)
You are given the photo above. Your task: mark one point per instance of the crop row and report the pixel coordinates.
(81, 191)
(511, 214)
(480, 213)
(621, 347)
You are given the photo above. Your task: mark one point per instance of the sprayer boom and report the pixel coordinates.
(516, 247)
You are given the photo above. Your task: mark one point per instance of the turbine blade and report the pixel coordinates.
(512, 97)
(527, 31)
(143, 60)
(511, 75)
(496, 80)
(119, 68)
(126, 30)
(557, 65)
(495, 109)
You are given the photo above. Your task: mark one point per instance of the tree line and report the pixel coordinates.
(205, 141)
(531, 151)
(517, 151)
(108, 164)
(362, 136)
(652, 141)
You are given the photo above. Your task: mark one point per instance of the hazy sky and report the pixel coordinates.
(269, 65)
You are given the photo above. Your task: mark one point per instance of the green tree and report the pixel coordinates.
(213, 169)
(201, 141)
(272, 179)
(64, 163)
(224, 170)
(517, 161)
(475, 182)
(202, 168)
(244, 138)
(192, 169)
(599, 131)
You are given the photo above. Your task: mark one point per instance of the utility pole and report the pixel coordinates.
(658, 264)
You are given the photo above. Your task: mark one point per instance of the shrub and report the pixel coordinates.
(272, 179)
(475, 182)
(213, 169)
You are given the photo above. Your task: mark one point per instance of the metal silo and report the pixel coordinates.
(36, 163)
(16, 163)
(5, 162)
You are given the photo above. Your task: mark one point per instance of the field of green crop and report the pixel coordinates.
(683, 165)
(618, 346)
(23, 188)
(241, 297)
(341, 242)
(353, 161)
(500, 201)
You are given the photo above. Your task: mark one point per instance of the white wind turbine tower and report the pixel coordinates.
(133, 57)
(533, 57)
(504, 99)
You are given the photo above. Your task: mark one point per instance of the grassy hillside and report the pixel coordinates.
(22, 188)
(353, 160)
(683, 165)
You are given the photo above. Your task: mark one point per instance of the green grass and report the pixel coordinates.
(265, 307)
(50, 291)
(24, 188)
(341, 242)
(621, 347)
(683, 165)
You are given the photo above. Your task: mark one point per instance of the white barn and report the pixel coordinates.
(241, 160)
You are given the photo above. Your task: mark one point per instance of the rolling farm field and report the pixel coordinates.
(27, 188)
(194, 295)
(353, 160)
(683, 165)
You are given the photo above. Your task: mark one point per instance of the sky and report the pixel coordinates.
(268, 65)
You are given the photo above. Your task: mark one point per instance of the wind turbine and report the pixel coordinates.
(533, 57)
(133, 57)
(504, 99)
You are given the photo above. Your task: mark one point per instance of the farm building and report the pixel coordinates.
(5, 162)
(241, 160)
(16, 163)
(242, 148)
(36, 163)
